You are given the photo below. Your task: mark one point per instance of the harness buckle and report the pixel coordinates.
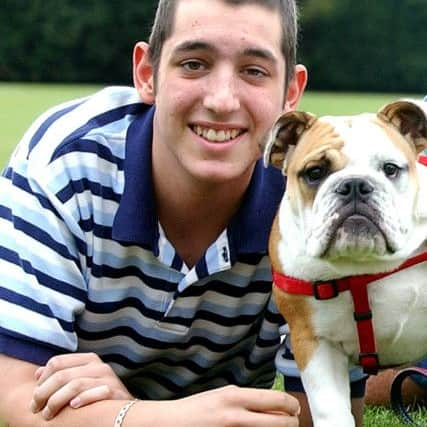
(325, 290)
(369, 362)
(362, 316)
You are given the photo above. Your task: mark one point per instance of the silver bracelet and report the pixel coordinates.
(123, 411)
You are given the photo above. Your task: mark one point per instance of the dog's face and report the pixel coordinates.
(352, 182)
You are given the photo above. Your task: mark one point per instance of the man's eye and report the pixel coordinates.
(193, 65)
(255, 72)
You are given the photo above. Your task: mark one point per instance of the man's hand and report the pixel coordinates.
(77, 380)
(235, 406)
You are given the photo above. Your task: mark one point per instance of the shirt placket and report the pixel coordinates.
(216, 259)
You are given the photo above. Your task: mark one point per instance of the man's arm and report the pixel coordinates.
(378, 388)
(222, 407)
(17, 384)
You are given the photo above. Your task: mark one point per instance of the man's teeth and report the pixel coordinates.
(217, 135)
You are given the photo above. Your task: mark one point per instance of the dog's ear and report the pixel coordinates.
(284, 135)
(410, 118)
(421, 200)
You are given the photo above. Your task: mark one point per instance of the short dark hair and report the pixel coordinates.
(164, 23)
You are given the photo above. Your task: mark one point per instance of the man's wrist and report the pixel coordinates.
(123, 411)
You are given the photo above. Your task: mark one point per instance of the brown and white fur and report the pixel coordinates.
(319, 234)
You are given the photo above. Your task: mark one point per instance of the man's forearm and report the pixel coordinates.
(17, 383)
(217, 408)
(15, 411)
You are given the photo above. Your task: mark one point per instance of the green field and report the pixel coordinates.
(376, 416)
(20, 104)
(348, 103)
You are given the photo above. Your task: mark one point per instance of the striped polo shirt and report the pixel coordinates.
(86, 265)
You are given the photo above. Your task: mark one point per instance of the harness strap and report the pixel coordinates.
(368, 356)
(422, 158)
(358, 286)
(396, 394)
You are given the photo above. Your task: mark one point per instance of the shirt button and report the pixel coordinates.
(225, 256)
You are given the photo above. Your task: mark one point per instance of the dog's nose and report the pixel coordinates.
(354, 188)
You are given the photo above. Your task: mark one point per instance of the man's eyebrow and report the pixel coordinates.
(260, 53)
(191, 45)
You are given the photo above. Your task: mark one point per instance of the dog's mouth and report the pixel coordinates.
(357, 231)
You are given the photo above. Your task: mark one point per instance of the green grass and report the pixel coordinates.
(381, 417)
(322, 103)
(375, 416)
(20, 104)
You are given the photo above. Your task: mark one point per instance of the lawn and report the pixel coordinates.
(20, 104)
(375, 416)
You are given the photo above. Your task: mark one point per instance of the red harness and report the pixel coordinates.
(358, 286)
(423, 159)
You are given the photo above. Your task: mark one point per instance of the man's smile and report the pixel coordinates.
(216, 135)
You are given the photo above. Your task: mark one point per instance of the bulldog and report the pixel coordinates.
(348, 246)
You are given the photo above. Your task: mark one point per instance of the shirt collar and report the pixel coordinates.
(250, 228)
(136, 220)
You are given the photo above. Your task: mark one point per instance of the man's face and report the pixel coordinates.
(219, 88)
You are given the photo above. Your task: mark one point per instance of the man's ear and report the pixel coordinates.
(143, 73)
(296, 88)
(409, 119)
(284, 137)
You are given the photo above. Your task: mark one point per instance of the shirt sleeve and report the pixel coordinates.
(42, 262)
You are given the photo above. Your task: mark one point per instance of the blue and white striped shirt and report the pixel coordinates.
(86, 266)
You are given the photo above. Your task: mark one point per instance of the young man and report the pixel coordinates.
(134, 226)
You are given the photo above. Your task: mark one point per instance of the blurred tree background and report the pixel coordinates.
(87, 41)
(364, 45)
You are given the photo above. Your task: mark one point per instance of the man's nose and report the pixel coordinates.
(222, 96)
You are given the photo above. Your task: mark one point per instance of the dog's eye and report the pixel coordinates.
(315, 174)
(391, 170)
